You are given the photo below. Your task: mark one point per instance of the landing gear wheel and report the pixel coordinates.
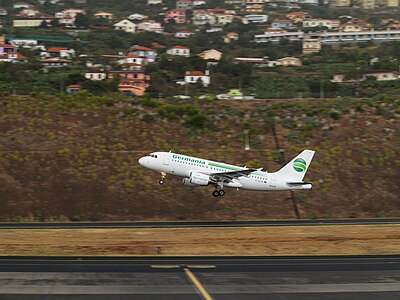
(161, 182)
(221, 193)
(215, 193)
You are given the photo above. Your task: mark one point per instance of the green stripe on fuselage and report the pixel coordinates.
(233, 168)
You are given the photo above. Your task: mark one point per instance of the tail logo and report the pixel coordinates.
(299, 165)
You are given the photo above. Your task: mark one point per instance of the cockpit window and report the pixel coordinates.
(153, 155)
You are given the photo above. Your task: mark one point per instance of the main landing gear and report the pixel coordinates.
(218, 193)
(161, 181)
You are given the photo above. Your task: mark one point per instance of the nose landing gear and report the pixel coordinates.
(161, 181)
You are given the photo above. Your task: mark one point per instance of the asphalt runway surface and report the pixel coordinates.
(273, 278)
(178, 224)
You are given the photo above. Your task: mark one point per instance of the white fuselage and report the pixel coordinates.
(184, 166)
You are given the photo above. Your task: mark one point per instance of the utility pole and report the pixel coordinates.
(246, 140)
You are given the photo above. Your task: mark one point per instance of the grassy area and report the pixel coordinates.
(245, 241)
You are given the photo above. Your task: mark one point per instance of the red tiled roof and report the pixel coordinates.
(53, 60)
(74, 86)
(6, 46)
(179, 47)
(195, 73)
(141, 48)
(55, 50)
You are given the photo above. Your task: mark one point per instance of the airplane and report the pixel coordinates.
(201, 172)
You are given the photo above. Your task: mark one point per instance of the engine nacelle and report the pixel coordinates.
(199, 179)
(186, 181)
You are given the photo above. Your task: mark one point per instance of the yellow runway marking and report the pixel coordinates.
(197, 284)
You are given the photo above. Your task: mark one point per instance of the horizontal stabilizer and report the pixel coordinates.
(299, 183)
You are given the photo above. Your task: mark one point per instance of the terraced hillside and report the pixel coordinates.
(75, 157)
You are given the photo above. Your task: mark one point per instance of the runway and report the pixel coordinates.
(183, 224)
(350, 277)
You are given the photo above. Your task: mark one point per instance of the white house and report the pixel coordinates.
(197, 76)
(136, 17)
(149, 54)
(54, 62)
(19, 5)
(96, 74)
(126, 25)
(58, 52)
(255, 19)
(179, 50)
(132, 59)
(154, 2)
(184, 34)
(150, 25)
(13, 57)
(25, 43)
(331, 24)
(211, 54)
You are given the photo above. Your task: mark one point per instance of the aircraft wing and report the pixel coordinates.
(228, 176)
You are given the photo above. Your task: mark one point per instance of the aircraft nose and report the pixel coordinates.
(142, 161)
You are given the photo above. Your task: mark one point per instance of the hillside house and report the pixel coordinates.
(131, 82)
(285, 62)
(7, 48)
(177, 16)
(60, 52)
(248, 19)
(211, 55)
(96, 74)
(31, 22)
(54, 62)
(13, 57)
(224, 19)
(202, 17)
(126, 25)
(297, 16)
(105, 15)
(136, 17)
(254, 6)
(132, 59)
(330, 24)
(154, 2)
(19, 5)
(3, 12)
(192, 77)
(179, 50)
(259, 62)
(73, 89)
(281, 24)
(311, 45)
(184, 4)
(230, 36)
(149, 54)
(183, 34)
(150, 25)
(29, 12)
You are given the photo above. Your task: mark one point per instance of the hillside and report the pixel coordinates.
(75, 157)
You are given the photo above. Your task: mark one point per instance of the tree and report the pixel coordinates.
(82, 20)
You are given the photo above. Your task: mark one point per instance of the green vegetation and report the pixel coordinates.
(75, 157)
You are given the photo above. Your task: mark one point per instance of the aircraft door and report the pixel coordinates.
(166, 161)
(272, 181)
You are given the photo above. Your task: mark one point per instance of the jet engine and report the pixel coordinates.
(199, 178)
(186, 181)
